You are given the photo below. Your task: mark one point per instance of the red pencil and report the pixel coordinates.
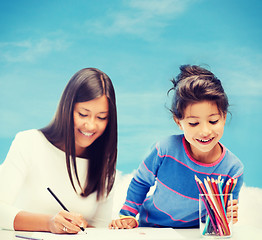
(231, 184)
(226, 191)
(216, 191)
(234, 185)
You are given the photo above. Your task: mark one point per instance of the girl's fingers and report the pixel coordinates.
(234, 208)
(113, 225)
(122, 223)
(131, 223)
(118, 224)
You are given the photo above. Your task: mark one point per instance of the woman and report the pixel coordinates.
(75, 156)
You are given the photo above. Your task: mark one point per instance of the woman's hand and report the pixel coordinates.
(67, 222)
(124, 223)
(235, 211)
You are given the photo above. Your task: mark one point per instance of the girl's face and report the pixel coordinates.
(90, 121)
(203, 127)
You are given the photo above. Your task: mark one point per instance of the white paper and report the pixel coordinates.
(116, 234)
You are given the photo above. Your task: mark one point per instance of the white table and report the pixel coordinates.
(239, 233)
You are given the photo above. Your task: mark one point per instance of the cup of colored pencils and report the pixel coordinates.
(213, 204)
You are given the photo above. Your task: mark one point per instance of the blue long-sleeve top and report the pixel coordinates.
(175, 201)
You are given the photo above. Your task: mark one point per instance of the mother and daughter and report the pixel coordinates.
(75, 155)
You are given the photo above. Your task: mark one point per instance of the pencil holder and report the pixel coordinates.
(213, 220)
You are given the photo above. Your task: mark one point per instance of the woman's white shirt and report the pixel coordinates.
(32, 165)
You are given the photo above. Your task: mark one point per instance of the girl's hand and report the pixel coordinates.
(67, 222)
(235, 211)
(124, 223)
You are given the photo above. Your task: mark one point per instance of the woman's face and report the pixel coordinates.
(90, 121)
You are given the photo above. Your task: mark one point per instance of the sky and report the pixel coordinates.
(140, 45)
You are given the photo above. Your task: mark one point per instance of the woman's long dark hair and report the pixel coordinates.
(87, 84)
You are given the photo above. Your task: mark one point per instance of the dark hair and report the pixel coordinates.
(195, 84)
(85, 85)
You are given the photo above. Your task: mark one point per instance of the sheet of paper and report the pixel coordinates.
(110, 234)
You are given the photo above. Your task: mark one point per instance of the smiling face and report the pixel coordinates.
(203, 127)
(90, 121)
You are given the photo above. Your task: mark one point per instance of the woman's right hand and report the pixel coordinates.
(67, 222)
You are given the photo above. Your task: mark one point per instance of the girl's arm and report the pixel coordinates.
(140, 184)
(136, 194)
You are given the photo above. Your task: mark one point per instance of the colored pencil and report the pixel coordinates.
(215, 204)
(221, 195)
(221, 221)
(209, 211)
(28, 238)
(226, 191)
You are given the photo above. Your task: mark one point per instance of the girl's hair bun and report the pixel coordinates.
(194, 84)
(193, 70)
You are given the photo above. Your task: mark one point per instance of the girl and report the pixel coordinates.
(75, 155)
(199, 108)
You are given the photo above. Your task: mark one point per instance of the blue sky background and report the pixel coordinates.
(140, 45)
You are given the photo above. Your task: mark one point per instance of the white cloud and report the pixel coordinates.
(162, 8)
(141, 18)
(30, 50)
(241, 70)
(250, 206)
